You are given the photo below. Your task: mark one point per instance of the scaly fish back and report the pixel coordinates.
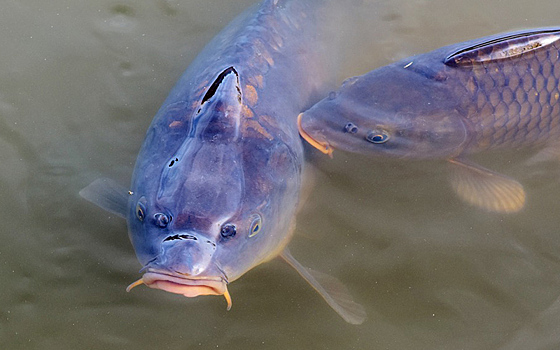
(511, 88)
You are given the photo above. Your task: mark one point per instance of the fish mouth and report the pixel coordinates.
(188, 286)
(322, 146)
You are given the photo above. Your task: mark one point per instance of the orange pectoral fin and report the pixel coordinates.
(326, 149)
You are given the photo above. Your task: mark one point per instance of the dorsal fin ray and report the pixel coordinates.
(219, 114)
(212, 90)
(501, 47)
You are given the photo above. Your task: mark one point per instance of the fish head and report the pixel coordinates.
(216, 206)
(391, 111)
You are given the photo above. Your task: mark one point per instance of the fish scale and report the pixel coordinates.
(515, 100)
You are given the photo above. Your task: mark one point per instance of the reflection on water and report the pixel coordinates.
(80, 82)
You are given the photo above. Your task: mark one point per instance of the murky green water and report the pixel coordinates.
(79, 84)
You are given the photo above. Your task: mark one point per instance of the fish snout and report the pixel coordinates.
(187, 254)
(312, 133)
(185, 266)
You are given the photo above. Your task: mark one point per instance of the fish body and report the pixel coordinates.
(217, 180)
(498, 92)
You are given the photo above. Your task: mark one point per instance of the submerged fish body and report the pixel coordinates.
(491, 93)
(217, 180)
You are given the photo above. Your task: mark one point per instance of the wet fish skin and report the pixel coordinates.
(217, 180)
(512, 102)
(209, 157)
(498, 92)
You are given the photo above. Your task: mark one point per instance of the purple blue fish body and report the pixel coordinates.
(498, 92)
(217, 181)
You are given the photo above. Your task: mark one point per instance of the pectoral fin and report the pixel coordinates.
(331, 289)
(486, 189)
(107, 194)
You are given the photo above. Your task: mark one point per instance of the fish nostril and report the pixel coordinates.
(162, 220)
(350, 128)
(228, 230)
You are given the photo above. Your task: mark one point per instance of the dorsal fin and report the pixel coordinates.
(212, 90)
(504, 46)
(219, 114)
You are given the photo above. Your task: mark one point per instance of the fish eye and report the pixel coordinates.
(350, 128)
(228, 230)
(377, 136)
(141, 209)
(255, 225)
(162, 220)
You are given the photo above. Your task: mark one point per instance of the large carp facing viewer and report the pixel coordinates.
(217, 181)
(498, 92)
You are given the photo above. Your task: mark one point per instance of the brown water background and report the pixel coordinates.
(79, 84)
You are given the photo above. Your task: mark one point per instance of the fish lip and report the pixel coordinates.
(322, 146)
(189, 286)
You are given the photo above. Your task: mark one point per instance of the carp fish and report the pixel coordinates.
(498, 92)
(216, 183)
